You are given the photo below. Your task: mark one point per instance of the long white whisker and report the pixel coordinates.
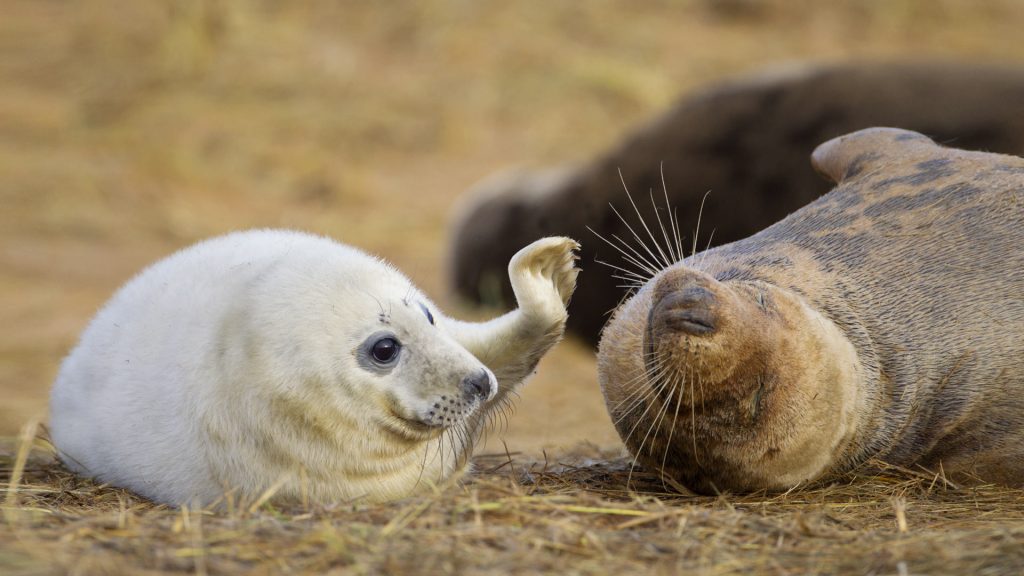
(693, 421)
(657, 386)
(664, 233)
(644, 376)
(700, 214)
(640, 217)
(653, 262)
(671, 433)
(673, 220)
(704, 254)
(623, 270)
(655, 423)
(678, 234)
(636, 397)
(630, 282)
(646, 268)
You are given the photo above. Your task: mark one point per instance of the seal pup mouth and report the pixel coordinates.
(411, 429)
(448, 410)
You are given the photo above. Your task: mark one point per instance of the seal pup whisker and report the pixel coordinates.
(423, 468)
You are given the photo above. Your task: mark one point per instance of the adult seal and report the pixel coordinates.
(284, 363)
(884, 320)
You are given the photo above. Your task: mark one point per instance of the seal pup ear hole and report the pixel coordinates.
(380, 352)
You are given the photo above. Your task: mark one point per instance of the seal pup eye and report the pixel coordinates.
(430, 317)
(385, 350)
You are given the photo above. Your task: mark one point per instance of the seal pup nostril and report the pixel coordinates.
(476, 385)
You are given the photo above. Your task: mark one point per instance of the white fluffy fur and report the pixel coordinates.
(234, 366)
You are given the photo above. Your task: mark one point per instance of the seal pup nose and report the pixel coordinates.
(476, 386)
(685, 302)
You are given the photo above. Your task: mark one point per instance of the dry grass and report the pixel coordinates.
(572, 513)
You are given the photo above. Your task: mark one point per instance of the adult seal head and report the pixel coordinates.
(284, 362)
(884, 320)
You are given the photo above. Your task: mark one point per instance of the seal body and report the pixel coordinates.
(746, 141)
(281, 361)
(884, 320)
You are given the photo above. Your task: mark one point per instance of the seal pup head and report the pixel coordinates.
(355, 378)
(424, 380)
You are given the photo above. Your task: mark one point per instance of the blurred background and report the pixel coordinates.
(131, 129)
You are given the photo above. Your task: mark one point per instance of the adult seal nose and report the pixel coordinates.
(689, 311)
(685, 303)
(476, 386)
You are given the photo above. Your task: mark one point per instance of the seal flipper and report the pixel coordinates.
(543, 277)
(846, 157)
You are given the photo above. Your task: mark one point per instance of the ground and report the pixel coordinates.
(131, 129)
(584, 512)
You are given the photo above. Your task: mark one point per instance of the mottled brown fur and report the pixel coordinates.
(884, 320)
(746, 141)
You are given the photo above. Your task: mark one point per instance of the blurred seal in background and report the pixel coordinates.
(746, 142)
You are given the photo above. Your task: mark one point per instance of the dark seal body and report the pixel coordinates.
(747, 142)
(884, 320)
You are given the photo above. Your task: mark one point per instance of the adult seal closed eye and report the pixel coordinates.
(280, 362)
(884, 320)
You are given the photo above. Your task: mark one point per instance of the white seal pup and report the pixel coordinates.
(268, 360)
